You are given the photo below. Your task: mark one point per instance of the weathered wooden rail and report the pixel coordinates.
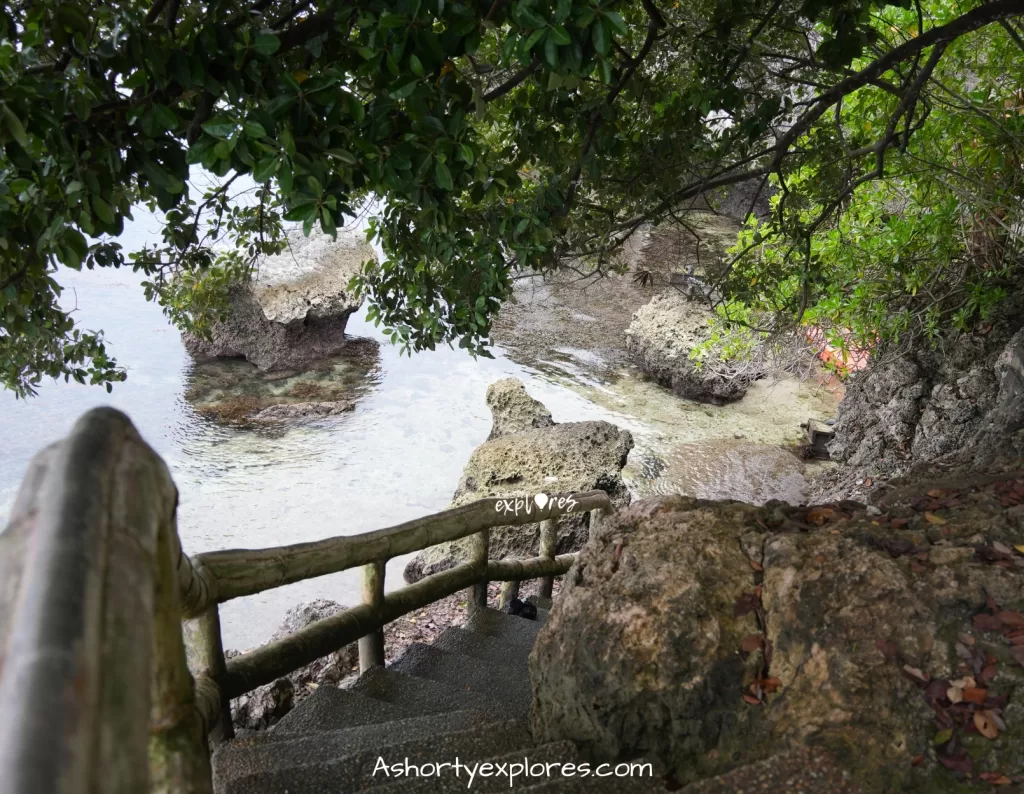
(113, 670)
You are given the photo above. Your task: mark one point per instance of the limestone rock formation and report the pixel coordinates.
(267, 704)
(660, 339)
(513, 409)
(711, 636)
(551, 458)
(296, 309)
(962, 403)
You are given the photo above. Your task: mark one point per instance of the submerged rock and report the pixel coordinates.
(295, 311)
(711, 636)
(660, 339)
(513, 409)
(267, 704)
(285, 411)
(555, 458)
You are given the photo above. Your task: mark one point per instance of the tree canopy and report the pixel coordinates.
(498, 136)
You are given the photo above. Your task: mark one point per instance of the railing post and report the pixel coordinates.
(479, 557)
(371, 647)
(205, 653)
(509, 592)
(548, 541)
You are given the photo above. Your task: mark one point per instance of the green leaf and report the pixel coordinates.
(265, 169)
(599, 36)
(101, 209)
(220, 127)
(165, 117)
(443, 176)
(266, 44)
(344, 155)
(563, 10)
(416, 65)
(616, 20)
(534, 37)
(560, 35)
(15, 127)
(551, 52)
(253, 129)
(327, 223)
(467, 153)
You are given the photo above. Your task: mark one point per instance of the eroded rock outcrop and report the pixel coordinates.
(267, 704)
(524, 459)
(961, 403)
(711, 636)
(660, 339)
(295, 311)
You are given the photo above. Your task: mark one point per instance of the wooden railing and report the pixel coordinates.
(113, 668)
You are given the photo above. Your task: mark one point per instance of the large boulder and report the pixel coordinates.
(712, 637)
(550, 458)
(295, 311)
(660, 339)
(265, 705)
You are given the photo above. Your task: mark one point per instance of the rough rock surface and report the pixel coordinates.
(295, 311)
(963, 406)
(285, 411)
(660, 339)
(267, 704)
(711, 636)
(513, 410)
(560, 458)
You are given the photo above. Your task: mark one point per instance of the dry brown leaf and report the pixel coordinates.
(752, 642)
(967, 682)
(995, 778)
(975, 695)
(936, 493)
(1014, 620)
(755, 565)
(954, 694)
(917, 760)
(986, 727)
(753, 701)
(819, 515)
(1001, 547)
(966, 638)
(1017, 652)
(931, 518)
(770, 685)
(916, 673)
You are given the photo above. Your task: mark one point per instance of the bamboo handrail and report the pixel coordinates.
(95, 694)
(242, 572)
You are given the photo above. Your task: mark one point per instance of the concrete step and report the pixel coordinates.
(450, 781)
(417, 695)
(264, 753)
(464, 674)
(356, 772)
(330, 708)
(512, 650)
(499, 624)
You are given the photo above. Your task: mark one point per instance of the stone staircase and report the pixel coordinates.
(465, 696)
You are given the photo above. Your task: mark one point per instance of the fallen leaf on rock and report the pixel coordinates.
(974, 695)
(942, 737)
(1017, 652)
(890, 650)
(986, 727)
(1014, 620)
(963, 651)
(983, 622)
(819, 515)
(1001, 547)
(753, 701)
(965, 638)
(954, 694)
(755, 565)
(967, 682)
(931, 518)
(936, 493)
(1016, 638)
(997, 719)
(995, 778)
(899, 523)
(961, 762)
(751, 642)
(918, 567)
(917, 760)
(916, 674)
(770, 685)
